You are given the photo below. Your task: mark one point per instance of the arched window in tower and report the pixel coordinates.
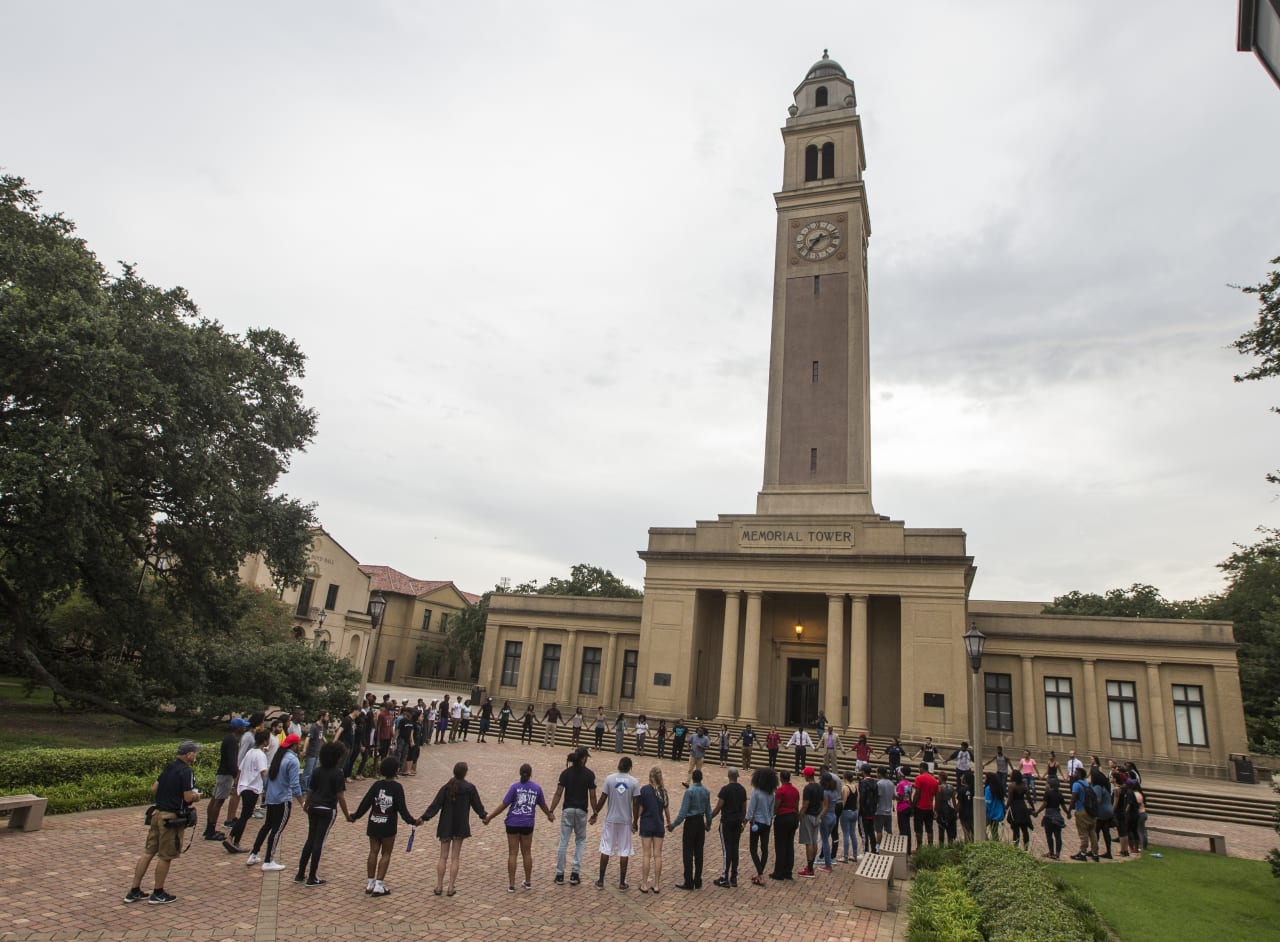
(811, 163)
(828, 160)
(820, 97)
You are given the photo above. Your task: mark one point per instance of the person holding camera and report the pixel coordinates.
(174, 791)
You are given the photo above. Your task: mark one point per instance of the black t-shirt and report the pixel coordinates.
(733, 809)
(173, 782)
(812, 798)
(229, 754)
(326, 784)
(347, 732)
(578, 781)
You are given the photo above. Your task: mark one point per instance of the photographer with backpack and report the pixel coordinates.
(1084, 805)
(175, 791)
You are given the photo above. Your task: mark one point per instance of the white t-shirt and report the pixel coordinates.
(252, 766)
(642, 729)
(455, 711)
(622, 789)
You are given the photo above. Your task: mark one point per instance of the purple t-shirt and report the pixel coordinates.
(523, 799)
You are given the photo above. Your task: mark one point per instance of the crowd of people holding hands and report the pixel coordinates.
(280, 762)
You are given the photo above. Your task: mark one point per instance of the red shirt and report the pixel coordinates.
(772, 741)
(926, 788)
(786, 800)
(385, 723)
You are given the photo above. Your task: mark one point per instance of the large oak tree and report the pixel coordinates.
(131, 426)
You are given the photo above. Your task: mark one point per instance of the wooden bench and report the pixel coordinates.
(25, 811)
(872, 881)
(895, 846)
(1217, 842)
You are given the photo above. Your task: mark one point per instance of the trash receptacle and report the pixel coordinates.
(477, 695)
(1243, 769)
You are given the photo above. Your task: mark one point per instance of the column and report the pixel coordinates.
(1029, 700)
(608, 692)
(859, 677)
(1091, 707)
(835, 658)
(529, 665)
(570, 665)
(751, 661)
(1155, 696)
(729, 656)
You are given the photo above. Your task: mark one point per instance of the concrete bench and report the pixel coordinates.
(1217, 842)
(25, 811)
(895, 846)
(872, 881)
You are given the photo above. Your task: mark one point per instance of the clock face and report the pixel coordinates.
(818, 240)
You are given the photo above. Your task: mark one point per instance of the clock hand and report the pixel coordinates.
(816, 239)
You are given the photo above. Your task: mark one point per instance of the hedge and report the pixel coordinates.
(1019, 900)
(90, 779)
(941, 909)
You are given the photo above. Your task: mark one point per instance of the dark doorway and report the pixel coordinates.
(391, 669)
(802, 691)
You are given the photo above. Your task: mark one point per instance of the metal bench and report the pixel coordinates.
(872, 881)
(25, 811)
(1217, 842)
(895, 846)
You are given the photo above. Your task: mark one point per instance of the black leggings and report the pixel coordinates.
(1021, 831)
(248, 801)
(904, 826)
(319, 821)
(759, 846)
(272, 829)
(869, 841)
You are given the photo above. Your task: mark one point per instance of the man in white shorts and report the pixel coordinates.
(621, 792)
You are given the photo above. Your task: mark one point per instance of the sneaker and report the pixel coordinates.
(622, 885)
(721, 881)
(1094, 858)
(825, 868)
(135, 896)
(259, 814)
(1106, 856)
(1079, 857)
(160, 896)
(232, 848)
(511, 888)
(381, 891)
(806, 872)
(527, 885)
(316, 882)
(216, 836)
(600, 884)
(271, 866)
(252, 859)
(559, 880)
(299, 878)
(574, 879)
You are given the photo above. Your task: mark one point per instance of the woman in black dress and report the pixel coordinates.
(454, 802)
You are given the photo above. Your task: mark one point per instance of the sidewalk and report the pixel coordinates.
(66, 881)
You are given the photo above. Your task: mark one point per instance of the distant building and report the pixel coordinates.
(816, 601)
(331, 610)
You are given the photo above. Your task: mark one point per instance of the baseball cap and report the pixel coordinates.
(239, 722)
(808, 771)
(187, 746)
(291, 740)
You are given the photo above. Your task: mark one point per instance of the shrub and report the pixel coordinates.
(1019, 900)
(90, 779)
(941, 909)
(933, 856)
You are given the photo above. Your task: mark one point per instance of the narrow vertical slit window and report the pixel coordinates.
(815, 371)
(817, 285)
(813, 461)
(811, 162)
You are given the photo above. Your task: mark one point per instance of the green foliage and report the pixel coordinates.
(1137, 601)
(88, 779)
(941, 908)
(1263, 340)
(583, 580)
(1019, 900)
(130, 426)
(936, 856)
(464, 637)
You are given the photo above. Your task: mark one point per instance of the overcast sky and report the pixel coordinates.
(528, 250)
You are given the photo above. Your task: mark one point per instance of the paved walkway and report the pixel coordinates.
(66, 880)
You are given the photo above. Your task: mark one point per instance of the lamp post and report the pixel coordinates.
(377, 608)
(319, 625)
(974, 642)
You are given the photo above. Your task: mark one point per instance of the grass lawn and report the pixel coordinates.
(27, 721)
(1184, 895)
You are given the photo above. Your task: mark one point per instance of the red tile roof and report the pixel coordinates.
(386, 579)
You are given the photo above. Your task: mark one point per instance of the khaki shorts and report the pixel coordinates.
(163, 842)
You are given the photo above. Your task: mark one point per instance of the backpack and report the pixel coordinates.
(1090, 800)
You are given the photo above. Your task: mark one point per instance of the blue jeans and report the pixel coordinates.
(308, 769)
(849, 828)
(827, 827)
(572, 820)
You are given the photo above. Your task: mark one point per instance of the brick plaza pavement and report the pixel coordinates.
(66, 881)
